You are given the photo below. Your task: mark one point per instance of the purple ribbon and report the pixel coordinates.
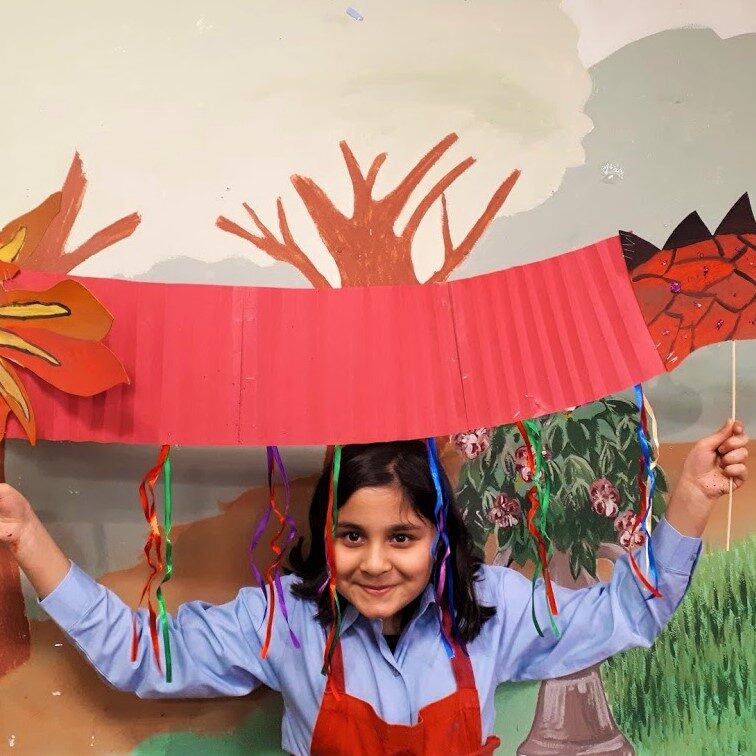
(274, 459)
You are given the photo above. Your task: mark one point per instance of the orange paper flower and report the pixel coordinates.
(57, 335)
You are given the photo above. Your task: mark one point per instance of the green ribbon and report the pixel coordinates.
(164, 617)
(543, 492)
(334, 524)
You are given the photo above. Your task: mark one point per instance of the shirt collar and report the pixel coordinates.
(427, 598)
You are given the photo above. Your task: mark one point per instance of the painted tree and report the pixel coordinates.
(365, 246)
(591, 461)
(37, 240)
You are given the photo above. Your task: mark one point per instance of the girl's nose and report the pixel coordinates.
(375, 561)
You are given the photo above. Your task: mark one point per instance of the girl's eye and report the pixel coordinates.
(402, 538)
(351, 536)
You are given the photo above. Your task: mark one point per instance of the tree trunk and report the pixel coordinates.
(15, 640)
(572, 714)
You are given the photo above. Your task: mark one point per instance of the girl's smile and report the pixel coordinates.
(383, 554)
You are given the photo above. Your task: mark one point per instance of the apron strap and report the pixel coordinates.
(461, 664)
(336, 674)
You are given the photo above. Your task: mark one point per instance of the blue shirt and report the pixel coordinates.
(216, 649)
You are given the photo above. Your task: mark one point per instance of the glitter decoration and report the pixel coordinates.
(355, 14)
(698, 305)
(720, 323)
(612, 173)
(675, 287)
(706, 270)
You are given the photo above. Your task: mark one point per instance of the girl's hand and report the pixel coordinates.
(708, 469)
(27, 539)
(16, 515)
(717, 459)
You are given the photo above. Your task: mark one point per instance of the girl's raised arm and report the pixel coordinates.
(606, 618)
(215, 650)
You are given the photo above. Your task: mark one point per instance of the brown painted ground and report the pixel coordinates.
(55, 698)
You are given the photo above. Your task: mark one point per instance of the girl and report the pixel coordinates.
(407, 676)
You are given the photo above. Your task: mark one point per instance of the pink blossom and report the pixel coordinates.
(605, 497)
(628, 539)
(625, 521)
(474, 442)
(624, 526)
(522, 462)
(505, 512)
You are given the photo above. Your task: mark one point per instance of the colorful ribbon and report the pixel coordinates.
(443, 578)
(539, 496)
(271, 584)
(152, 547)
(647, 486)
(332, 519)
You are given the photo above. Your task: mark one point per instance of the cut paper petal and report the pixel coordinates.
(35, 222)
(67, 308)
(16, 400)
(75, 366)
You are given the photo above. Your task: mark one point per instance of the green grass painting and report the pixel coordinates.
(690, 693)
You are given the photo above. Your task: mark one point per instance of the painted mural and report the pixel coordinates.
(265, 144)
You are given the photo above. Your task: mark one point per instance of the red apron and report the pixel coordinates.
(348, 726)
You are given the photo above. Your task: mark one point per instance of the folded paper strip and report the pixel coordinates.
(221, 365)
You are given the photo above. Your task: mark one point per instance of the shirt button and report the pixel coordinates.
(396, 673)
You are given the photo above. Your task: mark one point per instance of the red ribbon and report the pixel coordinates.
(543, 553)
(645, 504)
(152, 545)
(328, 535)
(271, 571)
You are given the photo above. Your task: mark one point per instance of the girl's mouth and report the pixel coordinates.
(376, 590)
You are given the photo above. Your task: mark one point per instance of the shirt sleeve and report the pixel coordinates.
(215, 650)
(595, 622)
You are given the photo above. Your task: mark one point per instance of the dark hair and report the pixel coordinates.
(402, 463)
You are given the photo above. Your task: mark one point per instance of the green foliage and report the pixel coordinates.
(598, 440)
(691, 693)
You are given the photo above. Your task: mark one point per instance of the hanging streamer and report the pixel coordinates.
(291, 534)
(332, 519)
(271, 583)
(539, 496)
(647, 486)
(440, 571)
(152, 549)
(167, 522)
(652, 434)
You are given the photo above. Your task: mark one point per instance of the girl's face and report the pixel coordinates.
(383, 554)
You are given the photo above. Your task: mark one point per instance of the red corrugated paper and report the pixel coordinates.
(222, 365)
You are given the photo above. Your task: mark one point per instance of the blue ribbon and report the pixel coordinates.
(645, 447)
(440, 513)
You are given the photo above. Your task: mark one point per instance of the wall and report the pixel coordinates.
(619, 115)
